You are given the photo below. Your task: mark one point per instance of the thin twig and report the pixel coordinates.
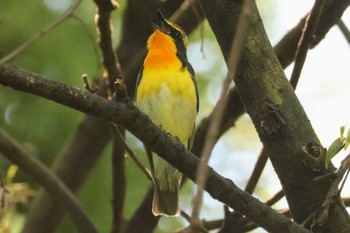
(305, 41)
(201, 26)
(136, 160)
(92, 39)
(275, 198)
(321, 217)
(119, 179)
(344, 29)
(258, 169)
(59, 191)
(252, 182)
(346, 201)
(209, 144)
(110, 60)
(87, 85)
(21, 48)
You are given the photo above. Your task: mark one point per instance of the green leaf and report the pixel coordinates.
(333, 149)
(342, 130)
(347, 140)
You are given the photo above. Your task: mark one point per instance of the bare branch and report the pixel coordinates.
(344, 29)
(110, 60)
(136, 160)
(118, 179)
(305, 40)
(116, 85)
(87, 85)
(25, 45)
(210, 141)
(264, 92)
(332, 12)
(17, 154)
(320, 217)
(124, 113)
(258, 169)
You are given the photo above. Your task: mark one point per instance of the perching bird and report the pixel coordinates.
(167, 92)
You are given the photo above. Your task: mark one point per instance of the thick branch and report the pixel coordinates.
(276, 112)
(17, 154)
(332, 12)
(127, 115)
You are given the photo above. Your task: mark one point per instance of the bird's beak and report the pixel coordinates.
(162, 25)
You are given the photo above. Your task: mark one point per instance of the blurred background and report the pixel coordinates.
(69, 51)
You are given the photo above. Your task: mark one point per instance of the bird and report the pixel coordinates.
(166, 90)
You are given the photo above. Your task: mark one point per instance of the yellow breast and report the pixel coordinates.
(166, 92)
(168, 97)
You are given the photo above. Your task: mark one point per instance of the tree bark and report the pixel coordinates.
(278, 116)
(124, 113)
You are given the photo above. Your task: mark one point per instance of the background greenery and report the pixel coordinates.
(68, 52)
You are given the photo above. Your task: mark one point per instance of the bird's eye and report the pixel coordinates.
(178, 35)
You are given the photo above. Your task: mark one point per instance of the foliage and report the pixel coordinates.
(43, 127)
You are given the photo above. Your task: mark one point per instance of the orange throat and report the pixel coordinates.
(161, 52)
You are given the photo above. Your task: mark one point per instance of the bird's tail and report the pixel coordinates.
(165, 203)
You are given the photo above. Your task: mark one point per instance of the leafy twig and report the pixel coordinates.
(21, 48)
(17, 154)
(219, 108)
(305, 40)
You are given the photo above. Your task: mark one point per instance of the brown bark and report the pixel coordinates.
(279, 119)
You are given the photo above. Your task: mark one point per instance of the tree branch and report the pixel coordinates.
(48, 180)
(305, 40)
(320, 218)
(94, 131)
(279, 118)
(119, 180)
(344, 29)
(285, 51)
(124, 113)
(69, 13)
(90, 131)
(110, 61)
(332, 12)
(214, 126)
(112, 66)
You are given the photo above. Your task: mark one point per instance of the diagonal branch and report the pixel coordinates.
(213, 130)
(69, 13)
(344, 29)
(285, 51)
(124, 113)
(275, 111)
(305, 40)
(17, 154)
